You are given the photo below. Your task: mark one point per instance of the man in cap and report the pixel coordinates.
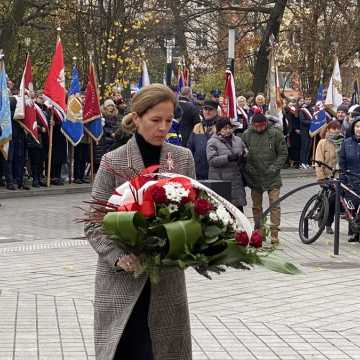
(267, 155)
(199, 137)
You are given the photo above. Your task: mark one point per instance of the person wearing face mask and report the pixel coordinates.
(133, 319)
(350, 161)
(267, 155)
(327, 151)
(198, 139)
(226, 155)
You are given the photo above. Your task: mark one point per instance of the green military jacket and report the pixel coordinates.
(267, 155)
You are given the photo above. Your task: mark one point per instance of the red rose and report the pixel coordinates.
(191, 197)
(242, 238)
(202, 207)
(159, 195)
(256, 239)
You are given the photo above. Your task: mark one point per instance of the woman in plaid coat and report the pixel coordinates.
(134, 319)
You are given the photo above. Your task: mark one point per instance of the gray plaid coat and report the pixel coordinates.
(116, 292)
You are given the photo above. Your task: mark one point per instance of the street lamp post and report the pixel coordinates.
(231, 51)
(169, 45)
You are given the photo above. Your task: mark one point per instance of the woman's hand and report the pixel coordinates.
(129, 263)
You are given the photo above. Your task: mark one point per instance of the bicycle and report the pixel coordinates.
(316, 210)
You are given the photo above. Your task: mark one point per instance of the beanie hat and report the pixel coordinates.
(343, 108)
(109, 102)
(259, 117)
(221, 123)
(211, 104)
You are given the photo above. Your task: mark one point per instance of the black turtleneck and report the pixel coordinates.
(149, 153)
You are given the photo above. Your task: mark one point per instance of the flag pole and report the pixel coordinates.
(92, 159)
(51, 130)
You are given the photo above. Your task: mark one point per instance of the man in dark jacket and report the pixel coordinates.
(198, 139)
(267, 155)
(190, 115)
(349, 160)
(305, 118)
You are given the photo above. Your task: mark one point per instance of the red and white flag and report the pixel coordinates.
(26, 99)
(91, 110)
(54, 88)
(229, 107)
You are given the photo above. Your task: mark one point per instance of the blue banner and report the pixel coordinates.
(5, 114)
(319, 117)
(73, 127)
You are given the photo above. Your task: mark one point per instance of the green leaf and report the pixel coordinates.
(212, 231)
(122, 224)
(181, 233)
(277, 264)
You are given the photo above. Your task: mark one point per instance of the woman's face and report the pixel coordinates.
(357, 129)
(260, 100)
(242, 102)
(334, 131)
(226, 131)
(155, 123)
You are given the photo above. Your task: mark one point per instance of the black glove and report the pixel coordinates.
(233, 157)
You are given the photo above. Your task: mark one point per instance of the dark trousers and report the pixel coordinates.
(18, 160)
(35, 156)
(135, 342)
(6, 166)
(305, 146)
(331, 215)
(80, 157)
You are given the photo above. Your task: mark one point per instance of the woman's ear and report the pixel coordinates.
(136, 119)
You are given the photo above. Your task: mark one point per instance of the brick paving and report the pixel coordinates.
(47, 279)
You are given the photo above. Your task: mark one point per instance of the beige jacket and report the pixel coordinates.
(325, 152)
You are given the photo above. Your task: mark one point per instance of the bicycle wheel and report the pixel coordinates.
(313, 218)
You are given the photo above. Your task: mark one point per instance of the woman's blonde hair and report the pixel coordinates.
(144, 100)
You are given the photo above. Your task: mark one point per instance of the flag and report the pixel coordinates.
(275, 102)
(334, 97)
(186, 76)
(229, 105)
(144, 79)
(5, 114)
(355, 94)
(72, 127)
(26, 98)
(91, 111)
(180, 83)
(319, 118)
(54, 88)
(41, 117)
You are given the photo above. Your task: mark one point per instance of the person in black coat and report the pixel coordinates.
(305, 117)
(190, 116)
(349, 160)
(294, 140)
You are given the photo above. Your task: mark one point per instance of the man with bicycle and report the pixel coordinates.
(350, 162)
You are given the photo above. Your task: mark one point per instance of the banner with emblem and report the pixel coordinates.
(228, 108)
(5, 115)
(334, 93)
(91, 110)
(72, 127)
(54, 88)
(26, 99)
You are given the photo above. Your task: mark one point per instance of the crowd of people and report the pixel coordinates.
(237, 150)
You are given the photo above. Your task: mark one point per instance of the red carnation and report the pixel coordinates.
(159, 195)
(202, 207)
(256, 239)
(242, 238)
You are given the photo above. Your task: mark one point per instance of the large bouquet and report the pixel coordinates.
(171, 220)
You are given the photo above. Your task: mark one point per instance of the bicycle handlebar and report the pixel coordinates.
(334, 171)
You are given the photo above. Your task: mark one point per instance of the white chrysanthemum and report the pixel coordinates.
(173, 208)
(175, 192)
(213, 216)
(224, 215)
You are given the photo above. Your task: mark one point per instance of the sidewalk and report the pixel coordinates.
(85, 188)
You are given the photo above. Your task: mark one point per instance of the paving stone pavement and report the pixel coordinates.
(47, 280)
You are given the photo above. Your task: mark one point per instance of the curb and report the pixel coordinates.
(54, 190)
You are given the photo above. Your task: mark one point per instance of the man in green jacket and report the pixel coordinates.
(267, 155)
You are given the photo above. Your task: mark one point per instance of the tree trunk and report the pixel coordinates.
(11, 23)
(262, 61)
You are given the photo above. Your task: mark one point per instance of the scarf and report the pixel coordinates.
(337, 140)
